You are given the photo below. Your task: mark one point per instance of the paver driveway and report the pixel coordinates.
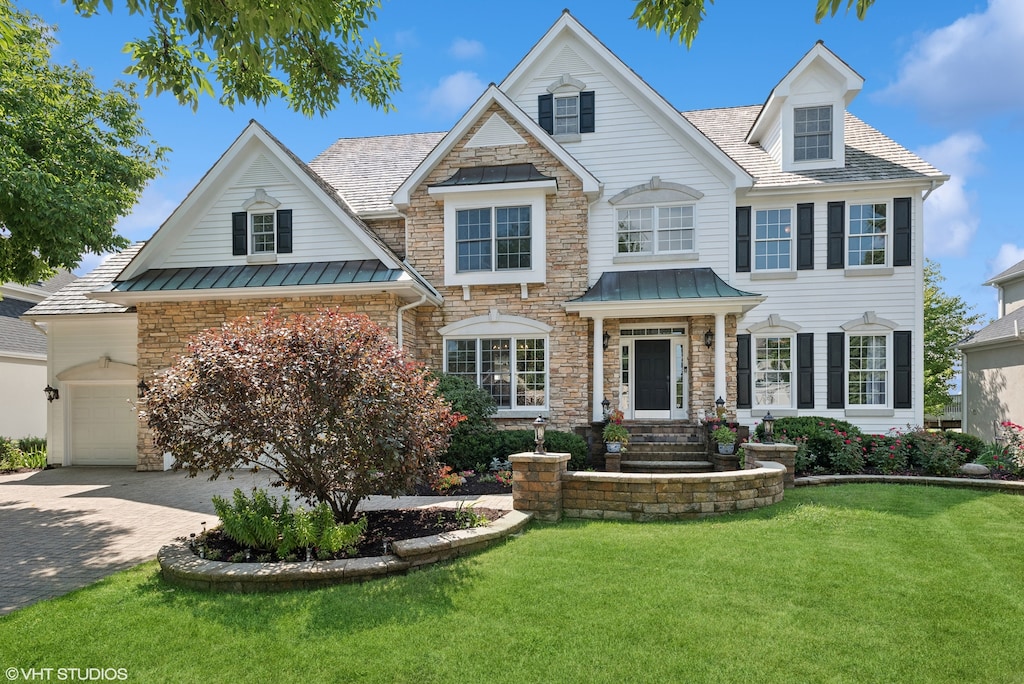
(65, 528)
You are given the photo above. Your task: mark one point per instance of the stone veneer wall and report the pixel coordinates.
(567, 210)
(165, 328)
(701, 360)
(391, 231)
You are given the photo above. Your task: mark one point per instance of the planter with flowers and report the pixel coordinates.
(615, 434)
(725, 438)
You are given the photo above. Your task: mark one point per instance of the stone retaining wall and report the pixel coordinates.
(542, 485)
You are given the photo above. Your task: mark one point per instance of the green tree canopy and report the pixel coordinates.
(947, 322)
(681, 18)
(73, 158)
(305, 51)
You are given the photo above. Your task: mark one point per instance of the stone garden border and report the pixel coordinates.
(1012, 486)
(179, 566)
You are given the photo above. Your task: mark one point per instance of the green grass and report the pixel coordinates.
(844, 584)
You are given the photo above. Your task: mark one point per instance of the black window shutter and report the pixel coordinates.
(902, 353)
(836, 370)
(587, 111)
(546, 112)
(284, 231)
(743, 239)
(743, 371)
(901, 231)
(239, 233)
(836, 234)
(805, 370)
(805, 237)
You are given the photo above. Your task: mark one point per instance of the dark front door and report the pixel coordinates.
(653, 371)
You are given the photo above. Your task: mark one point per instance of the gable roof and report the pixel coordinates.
(1014, 272)
(73, 298)
(591, 185)
(655, 101)
(175, 227)
(870, 155)
(18, 337)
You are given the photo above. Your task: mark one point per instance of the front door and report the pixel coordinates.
(653, 378)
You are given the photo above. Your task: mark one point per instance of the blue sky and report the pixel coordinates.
(944, 78)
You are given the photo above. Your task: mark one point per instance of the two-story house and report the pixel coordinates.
(573, 239)
(993, 362)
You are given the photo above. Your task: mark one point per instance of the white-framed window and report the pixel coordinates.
(506, 246)
(868, 371)
(812, 133)
(512, 369)
(567, 115)
(656, 229)
(773, 240)
(773, 371)
(867, 237)
(263, 233)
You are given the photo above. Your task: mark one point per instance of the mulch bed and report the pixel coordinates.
(472, 487)
(916, 472)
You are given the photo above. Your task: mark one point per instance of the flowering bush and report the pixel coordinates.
(1013, 435)
(889, 453)
(447, 479)
(504, 477)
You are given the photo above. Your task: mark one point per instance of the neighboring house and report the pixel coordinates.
(993, 362)
(573, 238)
(23, 358)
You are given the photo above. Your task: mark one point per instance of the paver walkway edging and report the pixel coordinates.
(178, 565)
(1013, 486)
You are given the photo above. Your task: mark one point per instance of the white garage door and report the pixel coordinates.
(103, 425)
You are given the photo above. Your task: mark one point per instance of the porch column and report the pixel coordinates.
(720, 387)
(598, 369)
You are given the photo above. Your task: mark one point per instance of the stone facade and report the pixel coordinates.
(566, 253)
(537, 484)
(391, 231)
(165, 328)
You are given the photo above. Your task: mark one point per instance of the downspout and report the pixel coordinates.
(402, 310)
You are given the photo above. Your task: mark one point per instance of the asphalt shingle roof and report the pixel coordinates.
(1015, 270)
(72, 299)
(367, 171)
(18, 336)
(999, 330)
(870, 155)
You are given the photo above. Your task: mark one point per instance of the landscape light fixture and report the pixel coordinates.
(720, 407)
(539, 426)
(769, 429)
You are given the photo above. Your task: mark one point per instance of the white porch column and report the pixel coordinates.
(720, 388)
(598, 368)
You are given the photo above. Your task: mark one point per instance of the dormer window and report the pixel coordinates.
(566, 110)
(812, 133)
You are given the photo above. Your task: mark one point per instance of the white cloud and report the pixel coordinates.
(1008, 255)
(152, 210)
(464, 48)
(974, 66)
(455, 93)
(950, 219)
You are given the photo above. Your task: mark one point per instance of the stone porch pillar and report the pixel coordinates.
(537, 484)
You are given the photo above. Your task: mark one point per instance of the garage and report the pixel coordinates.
(103, 424)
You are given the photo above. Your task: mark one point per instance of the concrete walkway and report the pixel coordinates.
(65, 528)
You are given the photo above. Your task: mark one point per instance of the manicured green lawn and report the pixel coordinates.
(860, 583)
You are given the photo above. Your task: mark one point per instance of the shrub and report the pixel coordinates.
(262, 524)
(470, 439)
(930, 452)
(971, 445)
(326, 402)
(996, 458)
(29, 452)
(501, 444)
(888, 453)
(848, 455)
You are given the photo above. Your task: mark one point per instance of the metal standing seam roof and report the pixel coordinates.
(260, 275)
(487, 175)
(677, 283)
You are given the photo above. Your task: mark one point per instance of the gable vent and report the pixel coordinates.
(566, 62)
(262, 172)
(495, 132)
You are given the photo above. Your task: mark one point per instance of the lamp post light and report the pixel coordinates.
(769, 429)
(720, 408)
(539, 426)
(52, 393)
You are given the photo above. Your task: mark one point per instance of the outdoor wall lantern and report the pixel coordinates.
(709, 338)
(52, 393)
(605, 408)
(720, 407)
(769, 429)
(143, 388)
(539, 426)
(605, 339)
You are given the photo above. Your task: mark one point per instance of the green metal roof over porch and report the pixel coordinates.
(662, 292)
